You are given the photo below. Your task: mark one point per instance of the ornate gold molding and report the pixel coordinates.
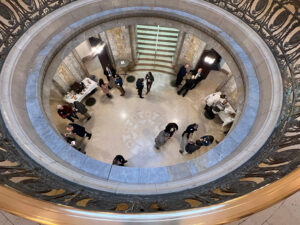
(49, 213)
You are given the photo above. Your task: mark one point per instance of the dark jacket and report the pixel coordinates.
(119, 81)
(80, 107)
(191, 147)
(181, 72)
(139, 84)
(79, 130)
(189, 130)
(206, 140)
(66, 111)
(149, 78)
(168, 128)
(113, 72)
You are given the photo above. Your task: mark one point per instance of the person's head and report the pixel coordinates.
(142, 79)
(222, 96)
(69, 128)
(149, 73)
(210, 139)
(199, 70)
(117, 76)
(225, 101)
(107, 67)
(195, 126)
(101, 82)
(60, 107)
(198, 142)
(186, 65)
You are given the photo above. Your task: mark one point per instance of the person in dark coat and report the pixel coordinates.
(192, 146)
(197, 77)
(140, 86)
(206, 140)
(110, 74)
(149, 81)
(65, 111)
(78, 130)
(190, 129)
(181, 73)
(186, 87)
(171, 128)
(119, 160)
(105, 88)
(80, 107)
(119, 85)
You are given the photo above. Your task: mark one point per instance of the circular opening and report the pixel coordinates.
(37, 137)
(130, 123)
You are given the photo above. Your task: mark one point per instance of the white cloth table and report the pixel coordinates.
(225, 115)
(90, 85)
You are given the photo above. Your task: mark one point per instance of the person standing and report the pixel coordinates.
(104, 88)
(187, 86)
(65, 111)
(171, 128)
(161, 139)
(80, 107)
(110, 73)
(119, 160)
(183, 143)
(78, 130)
(197, 77)
(119, 84)
(181, 73)
(149, 81)
(140, 86)
(190, 130)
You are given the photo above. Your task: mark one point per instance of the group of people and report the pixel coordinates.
(191, 82)
(114, 80)
(187, 145)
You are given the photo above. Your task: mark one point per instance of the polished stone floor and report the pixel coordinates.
(128, 125)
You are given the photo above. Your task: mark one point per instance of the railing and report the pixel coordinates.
(278, 157)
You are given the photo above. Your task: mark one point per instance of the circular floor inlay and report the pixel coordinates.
(130, 79)
(90, 101)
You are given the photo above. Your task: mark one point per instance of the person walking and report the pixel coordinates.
(65, 111)
(78, 130)
(110, 73)
(181, 73)
(80, 107)
(190, 130)
(149, 81)
(140, 86)
(119, 160)
(171, 128)
(104, 88)
(119, 84)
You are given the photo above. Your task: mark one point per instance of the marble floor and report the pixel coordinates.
(128, 125)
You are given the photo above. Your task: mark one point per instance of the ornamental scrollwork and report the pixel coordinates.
(276, 21)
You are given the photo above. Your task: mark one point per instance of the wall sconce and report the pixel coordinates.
(97, 45)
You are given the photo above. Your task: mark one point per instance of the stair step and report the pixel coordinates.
(155, 56)
(155, 27)
(160, 30)
(154, 34)
(159, 43)
(158, 53)
(153, 69)
(154, 63)
(157, 59)
(153, 38)
(153, 48)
